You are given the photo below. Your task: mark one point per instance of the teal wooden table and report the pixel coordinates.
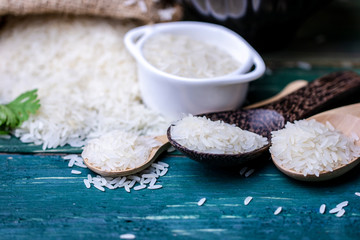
(41, 199)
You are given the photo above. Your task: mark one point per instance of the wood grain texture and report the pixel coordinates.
(41, 199)
(322, 93)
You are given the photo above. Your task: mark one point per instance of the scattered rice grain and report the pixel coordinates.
(75, 172)
(322, 208)
(278, 210)
(154, 186)
(248, 173)
(201, 201)
(340, 213)
(87, 183)
(127, 236)
(139, 187)
(247, 200)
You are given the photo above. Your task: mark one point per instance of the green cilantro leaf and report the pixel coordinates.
(13, 114)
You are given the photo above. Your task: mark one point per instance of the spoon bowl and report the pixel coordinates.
(259, 121)
(303, 102)
(347, 121)
(154, 153)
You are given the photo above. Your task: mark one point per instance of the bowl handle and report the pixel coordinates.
(255, 73)
(132, 38)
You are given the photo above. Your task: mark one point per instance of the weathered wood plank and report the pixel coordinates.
(41, 199)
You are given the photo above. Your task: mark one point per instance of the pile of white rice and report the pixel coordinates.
(118, 151)
(310, 147)
(186, 57)
(87, 80)
(204, 135)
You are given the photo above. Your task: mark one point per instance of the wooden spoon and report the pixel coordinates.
(321, 93)
(289, 88)
(165, 142)
(155, 152)
(346, 120)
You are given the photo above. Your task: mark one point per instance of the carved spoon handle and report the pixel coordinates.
(314, 97)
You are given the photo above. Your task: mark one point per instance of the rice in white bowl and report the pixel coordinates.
(310, 147)
(184, 56)
(118, 151)
(204, 135)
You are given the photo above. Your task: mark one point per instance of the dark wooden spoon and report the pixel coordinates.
(319, 95)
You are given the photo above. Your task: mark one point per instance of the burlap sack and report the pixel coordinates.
(145, 11)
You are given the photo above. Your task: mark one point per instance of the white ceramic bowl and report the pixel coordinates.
(173, 96)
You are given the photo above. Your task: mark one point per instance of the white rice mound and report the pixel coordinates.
(183, 56)
(118, 151)
(86, 79)
(311, 147)
(217, 137)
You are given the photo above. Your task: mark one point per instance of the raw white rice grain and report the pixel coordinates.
(116, 180)
(71, 163)
(139, 187)
(342, 204)
(153, 181)
(87, 183)
(70, 157)
(103, 181)
(134, 177)
(109, 186)
(278, 210)
(127, 236)
(132, 183)
(80, 164)
(158, 166)
(340, 213)
(149, 175)
(322, 208)
(154, 186)
(217, 137)
(146, 181)
(75, 172)
(163, 172)
(99, 187)
(201, 201)
(243, 170)
(247, 200)
(334, 210)
(357, 194)
(248, 173)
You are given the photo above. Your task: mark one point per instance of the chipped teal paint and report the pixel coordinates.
(41, 199)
